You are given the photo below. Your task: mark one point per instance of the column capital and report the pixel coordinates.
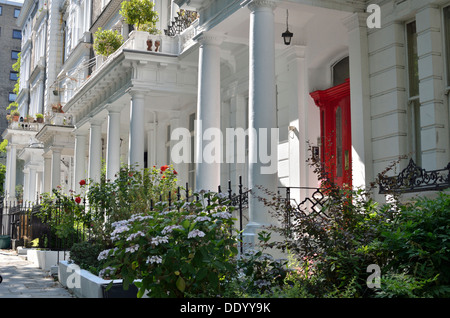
(114, 108)
(258, 4)
(95, 122)
(209, 38)
(356, 20)
(136, 92)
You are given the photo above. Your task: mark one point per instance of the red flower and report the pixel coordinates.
(82, 182)
(164, 168)
(175, 172)
(78, 200)
(163, 177)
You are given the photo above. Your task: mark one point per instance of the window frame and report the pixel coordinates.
(413, 106)
(9, 97)
(10, 75)
(15, 31)
(12, 52)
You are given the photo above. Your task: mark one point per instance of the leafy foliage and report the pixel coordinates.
(107, 42)
(141, 14)
(177, 251)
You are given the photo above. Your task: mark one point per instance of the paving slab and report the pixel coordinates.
(23, 279)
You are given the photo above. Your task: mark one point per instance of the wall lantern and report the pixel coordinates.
(287, 36)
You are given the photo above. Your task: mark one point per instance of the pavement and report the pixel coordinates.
(23, 279)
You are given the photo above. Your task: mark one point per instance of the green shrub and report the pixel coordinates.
(106, 42)
(141, 14)
(418, 243)
(85, 254)
(183, 250)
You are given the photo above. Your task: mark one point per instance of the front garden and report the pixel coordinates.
(139, 228)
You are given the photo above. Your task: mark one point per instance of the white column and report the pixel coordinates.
(26, 185)
(151, 143)
(208, 112)
(12, 173)
(362, 168)
(137, 130)
(8, 159)
(80, 159)
(113, 144)
(262, 109)
(32, 184)
(56, 168)
(299, 118)
(95, 151)
(47, 173)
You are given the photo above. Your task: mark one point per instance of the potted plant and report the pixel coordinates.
(106, 42)
(29, 119)
(57, 108)
(15, 114)
(140, 13)
(40, 118)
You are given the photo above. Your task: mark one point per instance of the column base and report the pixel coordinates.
(250, 240)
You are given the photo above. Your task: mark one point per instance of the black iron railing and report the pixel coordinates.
(23, 223)
(181, 22)
(415, 179)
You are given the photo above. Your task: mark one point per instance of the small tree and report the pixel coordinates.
(107, 42)
(141, 14)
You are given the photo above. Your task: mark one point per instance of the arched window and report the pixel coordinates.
(341, 71)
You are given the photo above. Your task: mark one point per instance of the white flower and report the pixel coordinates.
(221, 195)
(132, 249)
(104, 254)
(160, 239)
(103, 271)
(119, 229)
(134, 235)
(168, 229)
(222, 215)
(202, 218)
(154, 260)
(196, 233)
(138, 217)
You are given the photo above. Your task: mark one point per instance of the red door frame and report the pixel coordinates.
(336, 156)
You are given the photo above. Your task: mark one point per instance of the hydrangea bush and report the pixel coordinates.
(181, 250)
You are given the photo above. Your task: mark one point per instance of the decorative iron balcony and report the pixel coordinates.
(415, 179)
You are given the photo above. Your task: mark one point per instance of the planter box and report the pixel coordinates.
(46, 259)
(84, 284)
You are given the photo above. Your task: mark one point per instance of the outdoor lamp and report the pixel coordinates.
(287, 35)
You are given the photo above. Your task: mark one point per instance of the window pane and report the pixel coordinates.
(17, 34)
(15, 54)
(12, 97)
(16, 13)
(13, 76)
(415, 131)
(341, 71)
(413, 61)
(447, 40)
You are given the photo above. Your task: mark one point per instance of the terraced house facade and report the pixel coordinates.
(359, 85)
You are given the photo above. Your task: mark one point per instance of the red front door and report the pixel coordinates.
(335, 132)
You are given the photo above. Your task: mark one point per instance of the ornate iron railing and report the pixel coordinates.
(415, 179)
(181, 22)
